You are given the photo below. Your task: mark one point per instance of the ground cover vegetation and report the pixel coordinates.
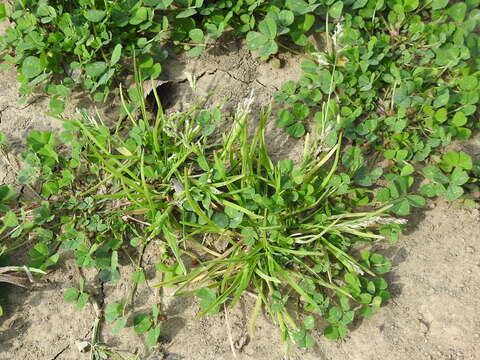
(387, 86)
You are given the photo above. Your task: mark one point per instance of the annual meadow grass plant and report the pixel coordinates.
(276, 231)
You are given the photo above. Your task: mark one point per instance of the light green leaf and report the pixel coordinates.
(439, 4)
(116, 54)
(138, 276)
(468, 83)
(309, 322)
(284, 118)
(57, 106)
(296, 130)
(113, 311)
(335, 11)
(410, 5)
(142, 323)
(195, 51)
(457, 11)
(303, 339)
(94, 15)
(416, 200)
(196, 35)
(71, 295)
(140, 16)
(458, 177)
(268, 27)
(119, 326)
(453, 192)
(152, 336)
(31, 67)
(442, 98)
(186, 13)
(3, 15)
(95, 69)
(10, 219)
(255, 40)
(459, 119)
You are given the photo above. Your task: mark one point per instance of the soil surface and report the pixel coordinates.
(433, 313)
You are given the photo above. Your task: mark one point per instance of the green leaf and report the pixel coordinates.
(95, 69)
(119, 326)
(113, 311)
(300, 111)
(459, 119)
(453, 192)
(383, 195)
(221, 220)
(186, 13)
(296, 130)
(196, 35)
(142, 323)
(138, 276)
(442, 98)
(457, 11)
(333, 332)
(334, 314)
(286, 17)
(380, 264)
(57, 106)
(435, 174)
(439, 4)
(407, 170)
(71, 295)
(300, 7)
(458, 177)
(255, 40)
(140, 16)
(410, 5)
(429, 190)
(3, 15)
(27, 175)
(145, 61)
(207, 298)
(416, 200)
(82, 300)
(441, 115)
(401, 207)
(268, 27)
(152, 336)
(309, 322)
(284, 118)
(6, 194)
(460, 159)
(303, 339)
(195, 51)
(116, 54)
(31, 67)
(335, 11)
(10, 219)
(94, 15)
